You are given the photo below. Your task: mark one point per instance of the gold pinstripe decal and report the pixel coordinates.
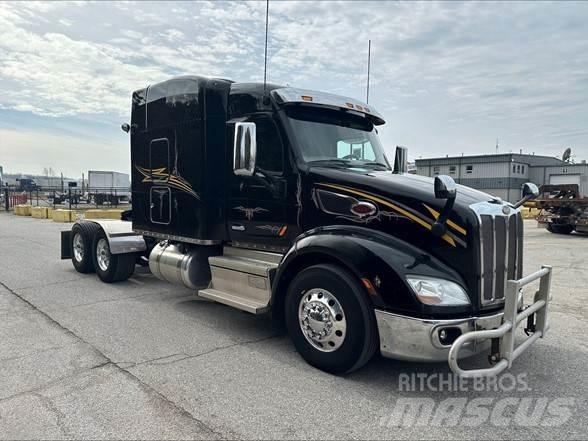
(452, 224)
(160, 176)
(395, 207)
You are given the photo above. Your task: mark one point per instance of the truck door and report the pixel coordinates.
(257, 199)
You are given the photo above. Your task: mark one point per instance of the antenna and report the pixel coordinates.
(367, 96)
(265, 58)
(496, 145)
(566, 155)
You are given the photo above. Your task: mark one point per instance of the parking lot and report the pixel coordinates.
(144, 359)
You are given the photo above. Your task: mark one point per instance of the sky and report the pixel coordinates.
(449, 78)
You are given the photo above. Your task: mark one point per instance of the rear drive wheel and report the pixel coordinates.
(560, 229)
(110, 267)
(82, 234)
(330, 319)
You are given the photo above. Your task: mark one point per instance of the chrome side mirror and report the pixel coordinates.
(530, 191)
(401, 160)
(445, 187)
(245, 149)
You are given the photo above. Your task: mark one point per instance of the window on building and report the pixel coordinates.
(522, 169)
(452, 169)
(469, 169)
(514, 168)
(518, 168)
(436, 170)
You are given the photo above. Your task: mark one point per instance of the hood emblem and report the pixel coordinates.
(363, 209)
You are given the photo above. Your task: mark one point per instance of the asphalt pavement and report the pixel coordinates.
(143, 359)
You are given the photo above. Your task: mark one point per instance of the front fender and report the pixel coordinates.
(381, 258)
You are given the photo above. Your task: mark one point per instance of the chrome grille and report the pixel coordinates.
(500, 248)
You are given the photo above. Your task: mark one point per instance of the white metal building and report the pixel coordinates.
(503, 175)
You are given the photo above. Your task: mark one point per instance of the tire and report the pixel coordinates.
(560, 229)
(352, 338)
(82, 238)
(109, 267)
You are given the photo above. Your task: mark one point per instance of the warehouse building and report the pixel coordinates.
(502, 175)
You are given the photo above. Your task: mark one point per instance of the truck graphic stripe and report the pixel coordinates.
(161, 176)
(452, 224)
(446, 237)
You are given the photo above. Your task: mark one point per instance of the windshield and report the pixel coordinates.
(334, 138)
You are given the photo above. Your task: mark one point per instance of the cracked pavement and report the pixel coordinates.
(143, 359)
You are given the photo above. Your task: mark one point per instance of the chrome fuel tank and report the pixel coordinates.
(176, 263)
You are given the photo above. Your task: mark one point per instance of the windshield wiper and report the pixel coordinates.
(374, 165)
(334, 161)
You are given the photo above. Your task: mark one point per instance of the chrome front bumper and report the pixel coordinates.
(412, 339)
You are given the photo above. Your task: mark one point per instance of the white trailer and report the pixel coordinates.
(108, 179)
(105, 186)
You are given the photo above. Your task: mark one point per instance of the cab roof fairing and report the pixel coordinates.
(290, 95)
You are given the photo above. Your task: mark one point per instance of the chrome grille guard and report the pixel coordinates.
(504, 335)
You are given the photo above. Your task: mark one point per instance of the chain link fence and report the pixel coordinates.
(65, 197)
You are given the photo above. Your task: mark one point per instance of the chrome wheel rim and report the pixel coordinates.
(322, 320)
(78, 247)
(103, 254)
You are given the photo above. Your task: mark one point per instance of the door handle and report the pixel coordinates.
(237, 227)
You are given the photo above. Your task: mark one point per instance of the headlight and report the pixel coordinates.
(438, 292)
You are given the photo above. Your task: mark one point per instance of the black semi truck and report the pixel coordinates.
(279, 200)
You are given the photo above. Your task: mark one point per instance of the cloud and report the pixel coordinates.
(449, 76)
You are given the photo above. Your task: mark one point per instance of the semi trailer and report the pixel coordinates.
(108, 187)
(281, 201)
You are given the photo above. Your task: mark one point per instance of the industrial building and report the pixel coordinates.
(503, 175)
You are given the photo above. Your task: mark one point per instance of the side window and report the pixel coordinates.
(270, 151)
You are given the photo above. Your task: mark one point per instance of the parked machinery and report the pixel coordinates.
(563, 210)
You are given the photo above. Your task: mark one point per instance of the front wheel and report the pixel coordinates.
(110, 267)
(330, 319)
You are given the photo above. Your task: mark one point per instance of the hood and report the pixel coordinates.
(411, 193)
(402, 205)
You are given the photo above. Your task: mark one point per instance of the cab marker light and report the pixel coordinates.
(306, 98)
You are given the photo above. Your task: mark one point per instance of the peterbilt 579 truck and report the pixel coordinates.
(279, 200)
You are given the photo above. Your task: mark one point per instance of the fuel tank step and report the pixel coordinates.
(245, 304)
(242, 278)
